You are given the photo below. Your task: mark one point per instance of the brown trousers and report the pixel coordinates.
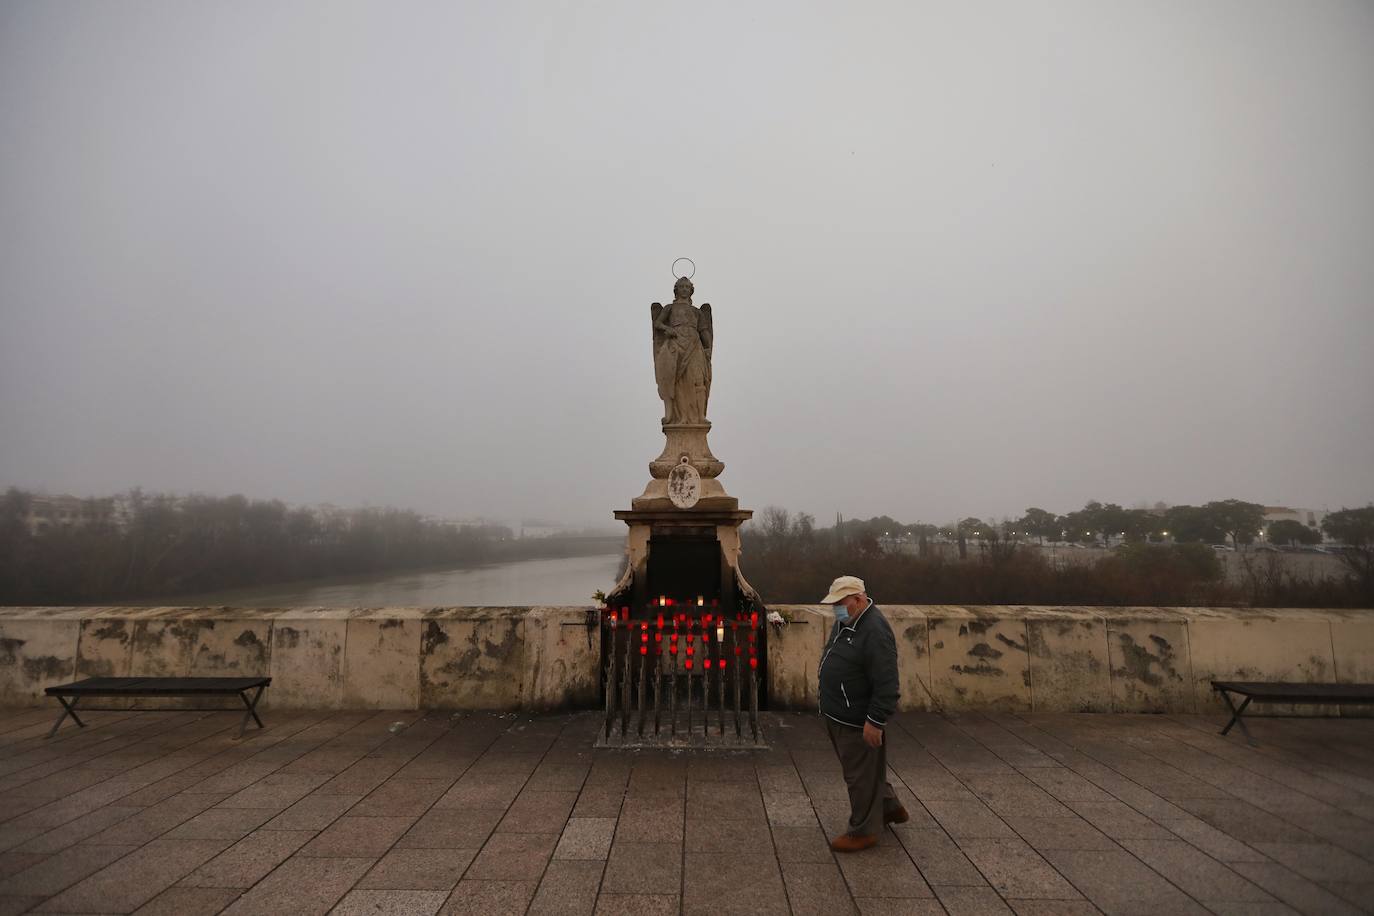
(865, 775)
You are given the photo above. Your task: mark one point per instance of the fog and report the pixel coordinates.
(963, 258)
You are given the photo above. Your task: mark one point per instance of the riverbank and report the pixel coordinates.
(787, 569)
(164, 546)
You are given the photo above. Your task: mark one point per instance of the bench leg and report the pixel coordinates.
(251, 710)
(1236, 716)
(68, 709)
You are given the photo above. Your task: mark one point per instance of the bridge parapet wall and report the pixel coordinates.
(992, 658)
(318, 658)
(1089, 659)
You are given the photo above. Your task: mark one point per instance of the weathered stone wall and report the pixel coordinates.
(322, 658)
(1020, 659)
(1088, 659)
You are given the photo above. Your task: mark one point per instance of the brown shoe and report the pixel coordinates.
(897, 815)
(852, 842)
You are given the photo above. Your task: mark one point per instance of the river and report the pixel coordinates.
(562, 581)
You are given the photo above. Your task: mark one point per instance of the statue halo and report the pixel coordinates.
(678, 276)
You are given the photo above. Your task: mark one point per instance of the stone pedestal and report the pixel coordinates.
(689, 440)
(683, 554)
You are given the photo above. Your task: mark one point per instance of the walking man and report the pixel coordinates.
(859, 691)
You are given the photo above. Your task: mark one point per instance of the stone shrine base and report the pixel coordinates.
(357, 812)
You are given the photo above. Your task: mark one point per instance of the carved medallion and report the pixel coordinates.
(684, 485)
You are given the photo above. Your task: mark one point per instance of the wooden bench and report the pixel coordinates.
(1286, 692)
(159, 687)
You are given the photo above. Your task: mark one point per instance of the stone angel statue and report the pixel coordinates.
(682, 355)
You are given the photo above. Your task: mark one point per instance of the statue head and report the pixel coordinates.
(683, 288)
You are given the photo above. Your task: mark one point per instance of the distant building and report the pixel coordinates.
(542, 530)
(123, 514)
(454, 521)
(1312, 518)
(48, 512)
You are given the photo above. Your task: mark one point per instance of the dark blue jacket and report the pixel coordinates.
(858, 672)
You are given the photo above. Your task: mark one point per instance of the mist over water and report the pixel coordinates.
(562, 582)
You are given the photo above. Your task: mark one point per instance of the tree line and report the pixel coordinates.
(790, 559)
(166, 545)
(1220, 521)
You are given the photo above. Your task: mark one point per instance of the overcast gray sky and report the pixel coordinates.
(964, 258)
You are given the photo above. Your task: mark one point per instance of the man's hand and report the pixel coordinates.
(873, 735)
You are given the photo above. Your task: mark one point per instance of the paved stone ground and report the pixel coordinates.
(473, 813)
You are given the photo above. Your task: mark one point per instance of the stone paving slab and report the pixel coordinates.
(414, 813)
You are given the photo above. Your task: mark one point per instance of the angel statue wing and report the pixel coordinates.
(655, 310)
(665, 366)
(706, 328)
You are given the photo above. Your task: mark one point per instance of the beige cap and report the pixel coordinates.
(843, 587)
